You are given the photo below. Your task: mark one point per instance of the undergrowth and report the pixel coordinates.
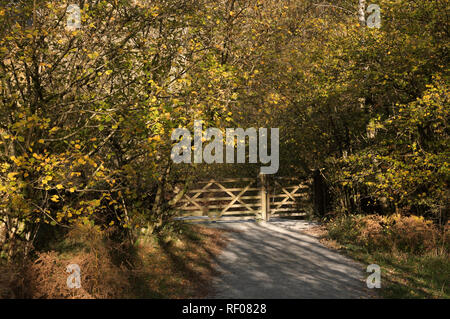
(176, 263)
(412, 252)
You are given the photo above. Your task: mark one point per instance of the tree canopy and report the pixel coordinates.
(86, 113)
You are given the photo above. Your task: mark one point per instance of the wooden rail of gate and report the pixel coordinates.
(287, 197)
(244, 198)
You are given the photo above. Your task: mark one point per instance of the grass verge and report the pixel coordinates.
(178, 264)
(404, 274)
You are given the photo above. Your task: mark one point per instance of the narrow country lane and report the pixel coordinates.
(276, 260)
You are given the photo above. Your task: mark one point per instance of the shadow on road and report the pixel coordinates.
(275, 260)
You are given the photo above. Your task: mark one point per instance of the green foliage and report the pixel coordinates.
(408, 162)
(86, 115)
(412, 234)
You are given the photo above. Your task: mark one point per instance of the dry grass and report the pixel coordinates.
(172, 266)
(9, 278)
(321, 233)
(412, 253)
(180, 267)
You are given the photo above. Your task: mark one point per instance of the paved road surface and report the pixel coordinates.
(275, 260)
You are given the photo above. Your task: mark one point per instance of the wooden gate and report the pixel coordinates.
(288, 197)
(243, 198)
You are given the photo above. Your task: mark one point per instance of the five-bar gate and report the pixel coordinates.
(244, 198)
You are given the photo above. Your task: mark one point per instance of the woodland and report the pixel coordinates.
(87, 113)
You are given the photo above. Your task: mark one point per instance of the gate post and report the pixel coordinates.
(265, 208)
(321, 198)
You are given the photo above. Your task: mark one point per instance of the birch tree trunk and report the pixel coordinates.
(361, 12)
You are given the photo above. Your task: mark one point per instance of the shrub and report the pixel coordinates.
(413, 234)
(90, 248)
(374, 232)
(410, 234)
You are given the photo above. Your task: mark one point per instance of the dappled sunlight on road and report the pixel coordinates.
(276, 260)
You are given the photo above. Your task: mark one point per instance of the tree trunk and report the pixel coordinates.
(321, 196)
(361, 13)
